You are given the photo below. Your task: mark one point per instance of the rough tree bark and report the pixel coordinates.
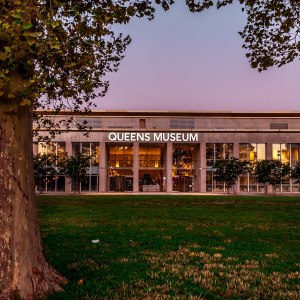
(23, 268)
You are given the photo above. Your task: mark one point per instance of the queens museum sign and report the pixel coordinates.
(152, 137)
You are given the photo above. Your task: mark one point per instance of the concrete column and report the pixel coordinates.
(102, 167)
(196, 175)
(236, 154)
(202, 168)
(35, 148)
(69, 148)
(169, 164)
(236, 150)
(136, 167)
(269, 151)
(68, 185)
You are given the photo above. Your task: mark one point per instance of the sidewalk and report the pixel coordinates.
(169, 194)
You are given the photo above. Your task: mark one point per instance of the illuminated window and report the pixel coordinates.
(252, 152)
(151, 156)
(281, 152)
(58, 151)
(93, 151)
(120, 156)
(218, 151)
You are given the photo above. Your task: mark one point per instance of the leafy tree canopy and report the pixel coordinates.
(55, 53)
(271, 33)
(43, 166)
(75, 168)
(271, 171)
(295, 173)
(228, 171)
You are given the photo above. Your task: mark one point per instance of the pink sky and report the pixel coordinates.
(184, 61)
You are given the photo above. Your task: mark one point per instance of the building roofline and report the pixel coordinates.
(177, 113)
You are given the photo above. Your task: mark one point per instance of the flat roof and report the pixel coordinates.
(181, 113)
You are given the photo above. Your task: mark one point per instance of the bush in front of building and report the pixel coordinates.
(227, 171)
(271, 172)
(295, 173)
(75, 168)
(44, 168)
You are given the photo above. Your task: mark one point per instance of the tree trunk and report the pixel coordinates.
(23, 268)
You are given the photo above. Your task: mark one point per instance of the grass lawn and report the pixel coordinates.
(173, 247)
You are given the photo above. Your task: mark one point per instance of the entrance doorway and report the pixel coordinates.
(121, 183)
(183, 183)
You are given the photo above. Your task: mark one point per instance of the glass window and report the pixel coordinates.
(252, 152)
(294, 153)
(276, 151)
(151, 156)
(281, 152)
(210, 148)
(285, 153)
(89, 122)
(184, 157)
(120, 156)
(243, 151)
(93, 151)
(261, 151)
(57, 150)
(75, 149)
(215, 152)
(228, 151)
(219, 153)
(182, 123)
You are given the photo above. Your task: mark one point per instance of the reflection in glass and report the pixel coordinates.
(276, 151)
(215, 152)
(184, 168)
(251, 152)
(120, 156)
(151, 156)
(58, 151)
(120, 168)
(294, 153)
(91, 150)
(152, 167)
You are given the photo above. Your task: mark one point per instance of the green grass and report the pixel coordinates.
(173, 247)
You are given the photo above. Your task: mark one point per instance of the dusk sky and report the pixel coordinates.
(185, 61)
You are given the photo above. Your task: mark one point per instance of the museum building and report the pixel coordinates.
(172, 151)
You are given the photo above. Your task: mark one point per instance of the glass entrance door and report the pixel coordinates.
(183, 183)
(121, 183)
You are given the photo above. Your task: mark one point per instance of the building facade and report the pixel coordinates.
(171, 151)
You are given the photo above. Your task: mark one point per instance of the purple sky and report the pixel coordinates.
(184, 61)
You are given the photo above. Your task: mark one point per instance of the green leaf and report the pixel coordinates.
(34, 34)
(50, 80)
(16, 16)
(27, 26)
(25, 102)
(5, 25)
